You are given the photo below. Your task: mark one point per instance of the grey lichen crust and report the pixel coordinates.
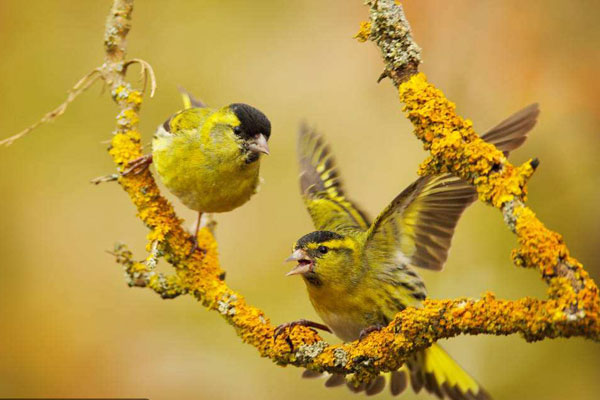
(508, 212)
(391, 32)
(308, 352)
(224, 305)
(341, 357)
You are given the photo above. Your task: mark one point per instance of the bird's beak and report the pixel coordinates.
(305, 263)
(259, 145)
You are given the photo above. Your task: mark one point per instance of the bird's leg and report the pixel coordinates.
(195, 238)
(139, 165)
(373, 328)
(300, 322)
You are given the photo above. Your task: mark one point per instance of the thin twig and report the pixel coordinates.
(81, 86)
(146, 72)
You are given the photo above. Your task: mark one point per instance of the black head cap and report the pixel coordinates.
(253, 121)
(317, 237)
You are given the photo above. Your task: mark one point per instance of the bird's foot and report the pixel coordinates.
(300, 322)
(195, 247)
(105, 178)
(139, 165)
(373, 328)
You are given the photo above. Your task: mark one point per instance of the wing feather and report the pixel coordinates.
(512, 132)
(419, 223)
(321, 186)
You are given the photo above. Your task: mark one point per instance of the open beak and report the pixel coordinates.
(259, 145)
(305, 263)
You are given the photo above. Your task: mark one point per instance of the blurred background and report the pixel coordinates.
(69, 324)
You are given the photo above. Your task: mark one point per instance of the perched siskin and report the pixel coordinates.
(359, 275)
(208, 158)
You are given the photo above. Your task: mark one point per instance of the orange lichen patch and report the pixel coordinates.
(539, 246)
(504, 186)
(363, 32)
(415, 329)
(202, 273)
(456, 148)
(205, 279)
(153, 209)
(545, 250)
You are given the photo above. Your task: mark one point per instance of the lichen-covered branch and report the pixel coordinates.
(389, 29)
(572, 307)
(456, 148)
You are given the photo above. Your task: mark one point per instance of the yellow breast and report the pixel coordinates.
(345, 310)
(349, 308)
(206, 171)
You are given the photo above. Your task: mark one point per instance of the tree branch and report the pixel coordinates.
(572, 307)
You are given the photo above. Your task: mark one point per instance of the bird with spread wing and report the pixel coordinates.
(359, 274)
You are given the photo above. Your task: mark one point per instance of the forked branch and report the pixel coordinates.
(571, 309)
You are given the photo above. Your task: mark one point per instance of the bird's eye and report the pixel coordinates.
(237, 130)
(323, 249)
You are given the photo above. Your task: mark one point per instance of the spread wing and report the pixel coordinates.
(321, 187)
(417, 227)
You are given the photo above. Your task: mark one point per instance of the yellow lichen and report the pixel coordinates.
(455, 148)
(363, 32)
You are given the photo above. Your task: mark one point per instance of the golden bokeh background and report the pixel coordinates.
(69, 324)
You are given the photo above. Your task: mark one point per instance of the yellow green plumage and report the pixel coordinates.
(208, 158)
(200, 160)
(359, 275)
(321, 187)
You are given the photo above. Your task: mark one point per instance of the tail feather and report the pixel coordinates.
(439, 374)
(432, 369)
(309, 374)
(189, 101)
(376, 386)
(397, 381)
(335, 380)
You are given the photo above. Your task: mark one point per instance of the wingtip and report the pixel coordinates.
(306, 129)
(189, 100)
(535, 108)
(303, 126)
